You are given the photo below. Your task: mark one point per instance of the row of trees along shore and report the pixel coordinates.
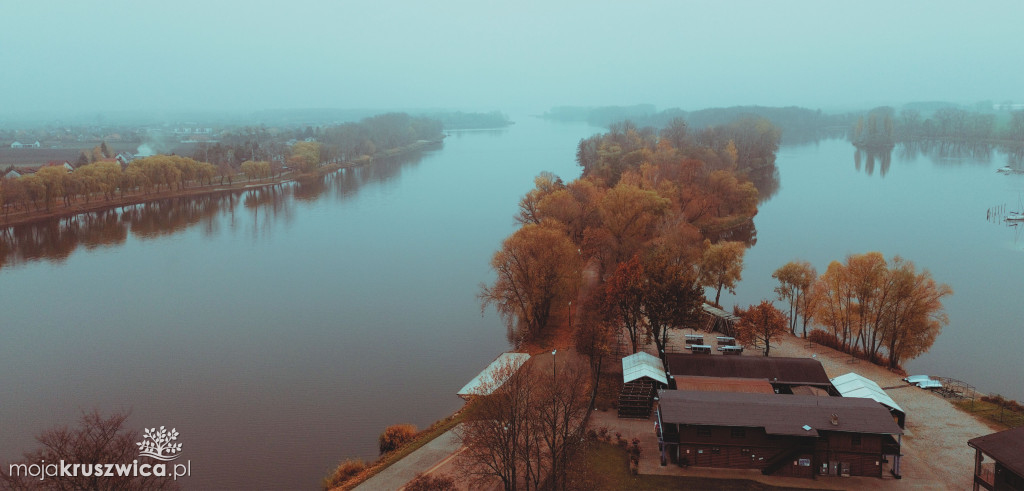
(259, 156)
(882, 127)
(884, 311)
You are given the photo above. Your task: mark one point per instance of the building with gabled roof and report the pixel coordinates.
(788, 435)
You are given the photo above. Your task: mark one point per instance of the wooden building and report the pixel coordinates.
(785, 435)
(1006, 449)
(642, 375)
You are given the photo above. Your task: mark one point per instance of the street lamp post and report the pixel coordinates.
(554, 366)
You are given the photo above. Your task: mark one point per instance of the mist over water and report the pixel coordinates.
(524, 57)
(280, 330)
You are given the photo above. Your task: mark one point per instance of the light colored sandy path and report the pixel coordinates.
(422, 460)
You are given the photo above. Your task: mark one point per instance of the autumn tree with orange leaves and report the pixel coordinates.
(761, 323)
(722, 266)
(538, 267)
(869, 305)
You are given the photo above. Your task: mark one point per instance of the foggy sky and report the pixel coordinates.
(511, 56)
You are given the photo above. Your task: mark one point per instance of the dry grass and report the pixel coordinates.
(998, 414)
(426, 436)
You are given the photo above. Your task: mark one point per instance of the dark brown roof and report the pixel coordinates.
(1006, 447)
(778, 414)
(718, 384)
(792, 371)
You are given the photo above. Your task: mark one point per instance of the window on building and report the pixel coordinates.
(739, 432)
(716, 450)
(703, 431)
(855, 439)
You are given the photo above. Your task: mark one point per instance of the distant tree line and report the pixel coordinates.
(882, 126)
(337, 143)
(255, 152)
(796, 124)
(471, 121)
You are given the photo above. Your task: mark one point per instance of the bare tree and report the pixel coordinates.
(497, 436)
(562, 410)
(525, 432)
(97, 440)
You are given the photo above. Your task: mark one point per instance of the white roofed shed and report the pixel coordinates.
(494, 375)
(854, 385)
(639, 365)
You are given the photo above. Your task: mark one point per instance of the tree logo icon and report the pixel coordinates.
(157, 444)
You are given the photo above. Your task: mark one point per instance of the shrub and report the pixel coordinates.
(431, 483)
(345, 471)
(395, 436)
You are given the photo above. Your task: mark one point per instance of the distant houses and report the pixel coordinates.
(24, 171)
(124, 158)
(17, 144)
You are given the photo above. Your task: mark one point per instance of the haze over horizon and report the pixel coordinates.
(77, 57)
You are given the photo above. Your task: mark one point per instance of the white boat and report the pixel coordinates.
(914, 379)
(923, 381)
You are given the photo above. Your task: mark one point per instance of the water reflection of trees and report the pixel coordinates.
(767, 182)
(744, 232)
(55, 239)
(942, 151)
(867, 159)
(939, 151)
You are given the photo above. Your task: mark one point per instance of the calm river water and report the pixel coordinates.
(928, 207)
(280, 331)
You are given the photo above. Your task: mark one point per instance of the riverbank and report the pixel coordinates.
(237, 185)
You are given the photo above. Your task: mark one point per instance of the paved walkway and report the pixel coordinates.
(422, 460)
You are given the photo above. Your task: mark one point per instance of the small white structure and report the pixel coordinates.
(854, 385)
(639, 365)
(494, 376)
